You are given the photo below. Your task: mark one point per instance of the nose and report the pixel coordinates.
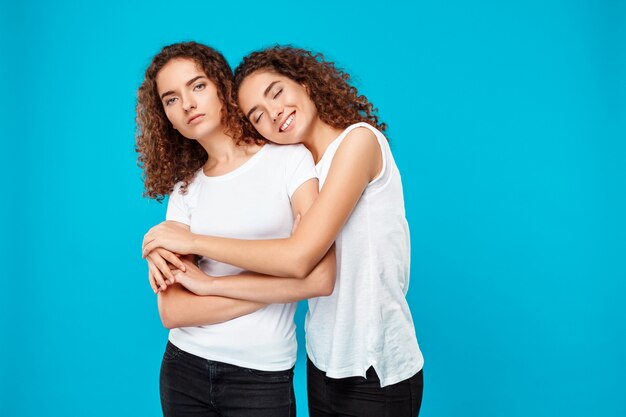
(276, 113)
(188, 103)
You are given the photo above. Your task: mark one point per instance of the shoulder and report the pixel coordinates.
(363, 132)
(362, 140)
(361, 150)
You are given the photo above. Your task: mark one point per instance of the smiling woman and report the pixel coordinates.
(192, 145)
(268, 116)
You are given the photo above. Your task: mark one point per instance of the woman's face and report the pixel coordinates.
(189, 98)
(279, 108)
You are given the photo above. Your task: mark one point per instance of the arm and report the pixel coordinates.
(357, 161)
(257, 287)
(180, 308)
(262, 288)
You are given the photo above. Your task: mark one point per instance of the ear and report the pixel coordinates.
(306, 88)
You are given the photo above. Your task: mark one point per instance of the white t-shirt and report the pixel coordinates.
(366, 320)
(251, 202)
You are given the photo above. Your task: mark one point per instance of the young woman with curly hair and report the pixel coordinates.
(363, 354)
(225, 356)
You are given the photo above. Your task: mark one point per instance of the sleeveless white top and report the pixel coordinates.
(366, 320)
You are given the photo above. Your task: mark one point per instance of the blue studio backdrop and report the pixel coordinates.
(508, 123)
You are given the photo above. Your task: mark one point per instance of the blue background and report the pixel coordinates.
(507, 120)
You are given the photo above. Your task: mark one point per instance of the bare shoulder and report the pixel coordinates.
(362, 133)
(361, 146)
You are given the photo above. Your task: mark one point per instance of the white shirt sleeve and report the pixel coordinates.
(300, 168)
(177, 209)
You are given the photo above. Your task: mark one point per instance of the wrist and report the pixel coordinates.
(192, 247)
(204, 282)
(210, 285)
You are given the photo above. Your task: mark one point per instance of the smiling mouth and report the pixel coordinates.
(287, 122)
(195, 119)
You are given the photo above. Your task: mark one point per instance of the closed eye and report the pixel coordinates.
(259, 117)
(278, 93)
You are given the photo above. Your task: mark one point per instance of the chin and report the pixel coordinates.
(290, 139)
(204, 131)
(283, 141)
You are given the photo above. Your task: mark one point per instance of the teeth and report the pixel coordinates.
(287, 122)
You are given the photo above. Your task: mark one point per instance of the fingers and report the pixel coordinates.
(185, 281)
(147, 238)
(160, 263)
(158, 278)
(148, 247)
(180, 277)
(171, 258)
(144, 241)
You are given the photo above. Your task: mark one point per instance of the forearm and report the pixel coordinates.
(180, 308)
(271, 289)
(289, 257)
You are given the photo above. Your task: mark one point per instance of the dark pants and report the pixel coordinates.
(194, 386)
(362, 397)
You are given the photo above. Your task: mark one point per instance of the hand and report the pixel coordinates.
(172, 236)
(160, 262)
(194, 279)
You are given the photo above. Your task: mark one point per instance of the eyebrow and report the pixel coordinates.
(265, 93)
(167, 93)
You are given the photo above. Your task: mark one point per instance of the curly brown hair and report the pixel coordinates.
(338, 103)
(165, 156)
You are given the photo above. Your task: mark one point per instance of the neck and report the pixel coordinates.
(219, 146)
(318, 138)
(224, 154)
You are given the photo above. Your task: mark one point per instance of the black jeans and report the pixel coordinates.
(362, 397)
(194, 386)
